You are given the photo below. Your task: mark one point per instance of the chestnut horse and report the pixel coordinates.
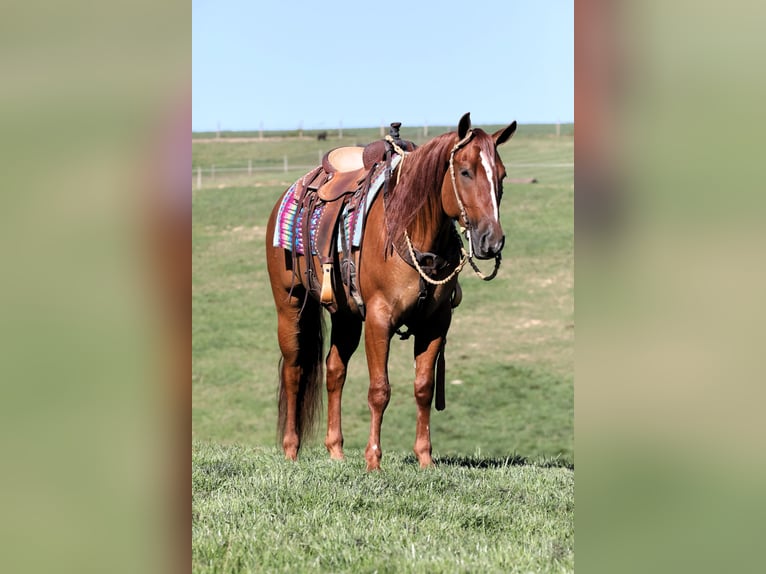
(455, 177)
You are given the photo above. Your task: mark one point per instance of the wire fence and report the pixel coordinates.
(212, 175)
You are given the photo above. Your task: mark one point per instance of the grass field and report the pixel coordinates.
(509, 386)
(255, 512)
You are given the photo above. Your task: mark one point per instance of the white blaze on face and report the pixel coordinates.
(488, 168)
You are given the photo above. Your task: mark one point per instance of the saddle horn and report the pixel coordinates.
(394, 130)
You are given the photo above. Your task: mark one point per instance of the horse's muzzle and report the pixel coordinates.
(488, 244)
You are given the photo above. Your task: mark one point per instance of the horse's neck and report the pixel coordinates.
(416, 205)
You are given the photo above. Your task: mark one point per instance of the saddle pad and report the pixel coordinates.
(287, 233)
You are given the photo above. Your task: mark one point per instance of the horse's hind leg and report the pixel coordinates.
(289, 381)
(346, 332)
(300, 342)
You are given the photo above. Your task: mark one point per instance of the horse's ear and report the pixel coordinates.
(502, 136)
(464, 125)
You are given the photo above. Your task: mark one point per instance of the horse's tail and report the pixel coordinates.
(310, 359)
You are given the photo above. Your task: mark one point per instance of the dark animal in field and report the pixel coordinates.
(322, 136)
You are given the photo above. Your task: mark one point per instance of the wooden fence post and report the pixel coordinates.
(250, 167)
(285, 158)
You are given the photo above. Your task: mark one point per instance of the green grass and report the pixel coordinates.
(255, 512)
(509, 396)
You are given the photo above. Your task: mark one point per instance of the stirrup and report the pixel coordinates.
(326, 295)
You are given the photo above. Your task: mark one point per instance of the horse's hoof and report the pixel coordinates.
(335, 449)
(425, 461)
(291, 454)
(373, 456)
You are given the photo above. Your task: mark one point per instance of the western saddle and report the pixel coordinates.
(343, 180)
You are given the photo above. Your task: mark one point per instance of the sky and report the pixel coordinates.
(318, 64)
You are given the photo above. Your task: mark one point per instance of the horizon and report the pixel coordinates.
(368, 127)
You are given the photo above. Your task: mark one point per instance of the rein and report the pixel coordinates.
(464, 258)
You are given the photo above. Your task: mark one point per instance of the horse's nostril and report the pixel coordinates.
(487, 244)
(490, 245)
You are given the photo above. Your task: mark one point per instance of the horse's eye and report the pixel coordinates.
(465, 173)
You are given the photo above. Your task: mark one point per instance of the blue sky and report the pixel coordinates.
(325, 63)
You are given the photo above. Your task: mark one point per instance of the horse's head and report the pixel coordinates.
(473, 186)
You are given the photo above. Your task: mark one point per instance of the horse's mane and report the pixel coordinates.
(417, 196)
(422, 172)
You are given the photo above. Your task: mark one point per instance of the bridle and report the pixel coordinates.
(466, 256)
(466, 230)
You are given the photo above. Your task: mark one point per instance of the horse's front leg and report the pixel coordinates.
(427, 347)
(377, 341)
